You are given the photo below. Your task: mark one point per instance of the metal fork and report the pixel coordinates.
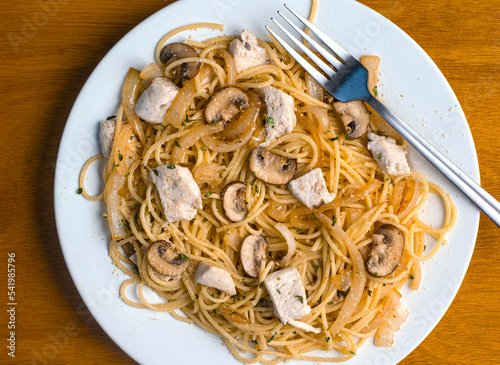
(348, 81)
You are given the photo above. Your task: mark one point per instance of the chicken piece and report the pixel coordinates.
(214, 277)
(107, 134)
(390, 157)
(280, 113)
(155, 101)
(247, 52)
(310, 189)
(385, 333)
(179, 193)
(288, 295)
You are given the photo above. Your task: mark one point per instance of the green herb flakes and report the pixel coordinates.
(120, 156)
(171, 167)
(111, 117)
(156, 172)
(411, 277)
(333, 139)
(177, 144)
(299, 230)
(203, 149)
(184, 257)
(272, 338)
(79, 191)
(375, 91)
(300, 298)
(370, 293)
(207, 195)
(334, 221)
(269, 120)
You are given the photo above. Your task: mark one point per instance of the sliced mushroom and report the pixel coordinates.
(177, 51)
(355, 117)
(225, 104)
(165, 260)
(253, 252)
(233, 201)
(272, 168)
(388, 247)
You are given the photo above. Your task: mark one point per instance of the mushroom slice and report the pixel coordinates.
(176, 51)
(355, 117)
(225, 104)
(272, 168)
(233, 201)
(165, 260)
(384, 257)
(252, 253)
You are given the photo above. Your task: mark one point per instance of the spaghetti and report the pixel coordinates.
(331, 242)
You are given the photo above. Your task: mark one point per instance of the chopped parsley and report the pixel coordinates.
(184, 257)
(370, 293)
(348, 137)
(341, 114)
(256, 190)
(203, 149)
(327, 339)
(384, 284)
(253, 173)
(220, 175)
(300, 298)
(351, 351)
(411, 277)
(316, 267)
(171, 167)
(379, 156)
(156, 172)
(333, 139)
(196, 296)
(126, 175)
(120, 156)
(214, 123)
(314, 216)
(393, 184)
(261, 285)
(214, 310)
(334, 221)
(269, 120)
(116, 165)
(163, 126)
(375, 91)
(299, 230)
(207, 195)
(221, 260)
(205, 220)
(255, 342)
(177, 143)
(272, 338)
(79, 191)
(330, 303)
(186, 120)
(111, 117)
(278, 291)
(105, 216)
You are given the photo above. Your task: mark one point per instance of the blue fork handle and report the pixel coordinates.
(473, 191)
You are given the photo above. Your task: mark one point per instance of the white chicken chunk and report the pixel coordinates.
(390, 157)
(247, 52)
(155, 101)
(281, 111)
(385, 333)
(214, 277)
(107, 134)
(179, 193)
(289, 297)
(310, 189)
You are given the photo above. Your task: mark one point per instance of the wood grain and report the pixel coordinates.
(44, 67)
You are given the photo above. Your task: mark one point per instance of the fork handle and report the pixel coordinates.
(473, 191)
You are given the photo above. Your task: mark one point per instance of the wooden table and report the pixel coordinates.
(49, 48)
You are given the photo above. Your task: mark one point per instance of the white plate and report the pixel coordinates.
(411, 85)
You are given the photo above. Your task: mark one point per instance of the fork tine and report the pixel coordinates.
(335, 47)
(301, 60)
(327, 69)
(329, 57)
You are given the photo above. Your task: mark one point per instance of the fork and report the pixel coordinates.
(348, 80)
